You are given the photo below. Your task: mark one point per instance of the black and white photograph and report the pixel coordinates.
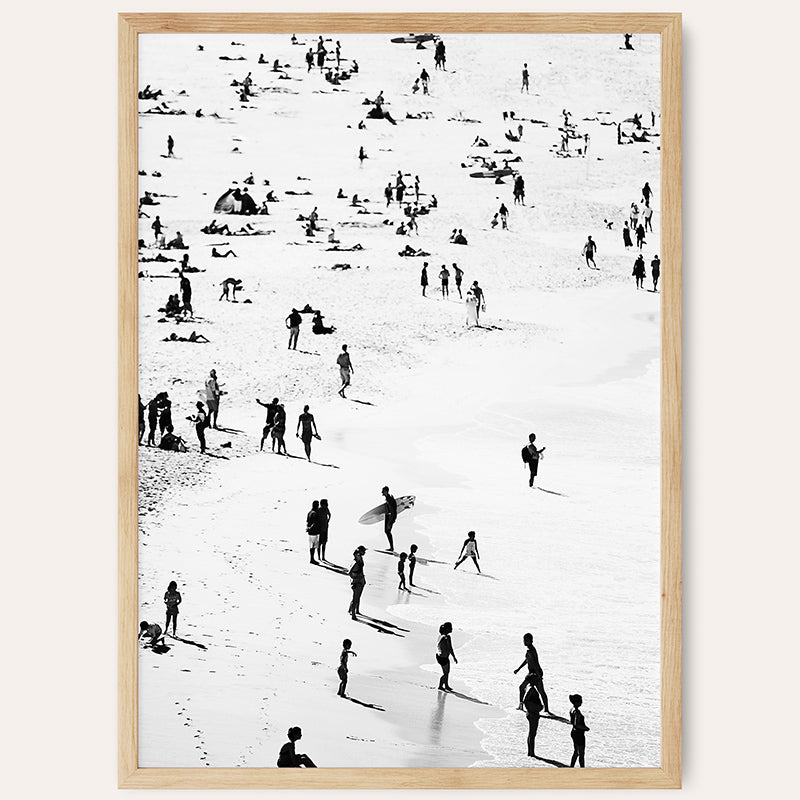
(399, 346)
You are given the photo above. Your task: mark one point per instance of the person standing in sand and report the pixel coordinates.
(288, 757)
(279, 430)
(423, 278)
(444, 652)
(444, 276)
(345, 369)
(213, 394)
(200, 420)
(655, 266)
(481, 298)
(639, 271)
(531, 455)
(309, 427)
(357, 580)
(312, 529)
(390, 516)
(324, 520)
(412, 563)
(172, 599)
(157, 227)
(310, 59)
(141, 419)
(535, 673)
(578, 732)
(186, 294)
(533, 707)
(342, 672)
(459, 276)
(525, 76)
(270, 420)
(293, 322)
(469, 550)
(589, 249)
(401, 571)
(170, 146)
(471, 303)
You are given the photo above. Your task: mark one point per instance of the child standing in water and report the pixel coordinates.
(342, 671)
(579, 729)
(469, 550)
(401, 565)
(412, 562)
(172, 599)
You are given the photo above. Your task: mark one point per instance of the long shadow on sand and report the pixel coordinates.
(378, 628)
(551, 761)
(215, 455)
(320, 464)
(188, 641)
(550, 491)
(467, 697)
(333, 567)
(362, 402)
(366, 705)
(424, 589)
(555, 717)
(385, 623)
(228, 430)
(306, 352)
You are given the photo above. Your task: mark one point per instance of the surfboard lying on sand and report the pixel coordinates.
(491, 173)
(414, 38)
(379, 512)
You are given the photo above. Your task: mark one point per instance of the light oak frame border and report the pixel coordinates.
(668, 775)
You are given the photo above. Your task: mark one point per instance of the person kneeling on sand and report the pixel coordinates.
(153, 631)
(288, 757)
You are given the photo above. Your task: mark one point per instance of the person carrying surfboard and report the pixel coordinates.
(531, 455)
(390, 516)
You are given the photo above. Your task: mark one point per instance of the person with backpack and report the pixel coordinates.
(531, 455)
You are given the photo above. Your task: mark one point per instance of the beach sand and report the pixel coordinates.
(436, 410)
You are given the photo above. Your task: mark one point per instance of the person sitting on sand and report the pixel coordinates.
(340, 194)
(480, 142)
(230, 286)
(271, 198)
(459, 238)
(469, 550)
(288, 757)
(401, 229)
(173, 306)
(317, 325)
(193, 337)
(176, 243)
(153, 631)
(216, 254)
(332, 237)
(342, 672)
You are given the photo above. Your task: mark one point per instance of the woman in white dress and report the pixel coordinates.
(471, 302)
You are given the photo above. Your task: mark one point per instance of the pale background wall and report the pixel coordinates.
(59, 359)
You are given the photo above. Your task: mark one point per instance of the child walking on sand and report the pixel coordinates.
(578, 732)
(469, 550)
(172, 599)
(342, 671)
(401, 566)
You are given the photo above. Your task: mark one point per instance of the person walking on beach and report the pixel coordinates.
(390, 516)
(533, 708)
(425, 78)
(444, 652)
(655, 266)
(471, 303)
(535, 673)
(412, 563)
(401, 571)
(579, 729)
(639, 235)
(288, 757)
(345, 369)
(309, 426)
(589, 249)
(531, 455)
(323, 521)
(342, 672)
(309, 59)
(469, 550)
(170, 146)
(647, 217)
(270, 420)
(423, 278)
(387, 193)
(504, 215)
(647, 193)
(172, 599)
(639, 271)
(213, 394)
(157, 227)
(524, 79)
(200, 420)
(312, 529)
(293, 322)
(444, 276)
(357, 580)
(459, 276)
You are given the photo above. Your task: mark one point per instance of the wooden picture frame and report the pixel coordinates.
(668, 775)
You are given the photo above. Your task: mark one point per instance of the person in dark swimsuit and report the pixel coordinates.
(270, 420)
(357, 580)
(309, 427)
(578, 732)
(535, 673)
(342, 671)
(323, 521)
(444, 651)
(390, 517)
(533, 707)
(172, 599)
